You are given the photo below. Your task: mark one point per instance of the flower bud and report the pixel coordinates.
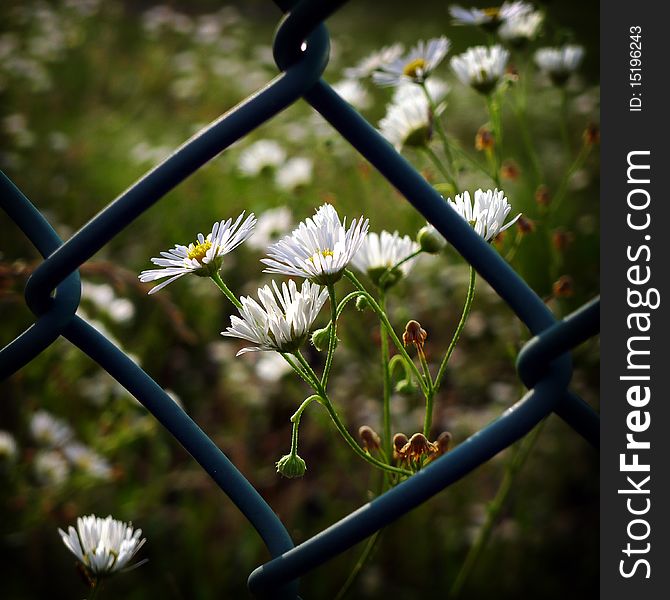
(399, 442)
(591, 134)
(484, 139)
(405, 387)
(362, 303)
(291, 465)
(510, 170)
(561, 239)
(321, 338)
(369, 437)
(443, 442)
(414, 334)
(542, 196)
(430, 240)
(525, 225)
(563, 287)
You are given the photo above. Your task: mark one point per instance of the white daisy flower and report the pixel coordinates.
(489, 18)
(88, 460)
(481, 67)
(51, 468)
(319, 249)
(103, 546)
(263, 154)
(521, 28)
(8, 446)
(374, 61)
(380, 253)
(353, 92)
(282, 321)
(204, 257)
(294, 173)
(416, 65)
(48, 430)
(408, 123)
(271, 225)
(559, 63)
(486, 214)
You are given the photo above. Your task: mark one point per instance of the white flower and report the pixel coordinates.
(271, 225)
(51, 468)
(262, 154)
(49, 430)
(374, 61)
(319, 249)
(353, 92)
(559, 63)
(102, 545)
(486, 214)
(294, 173)
(489, 17)
(415, 66)
(8, 447)
(204, 257)
(380, 253)
(89, 461)
(481, 67)
(521, 28)
(282, 321)
(408, 123)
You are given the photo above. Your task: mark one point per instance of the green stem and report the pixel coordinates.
(473, 162)
(95, 590)
(305, 376)
(348, 298)
(389, 329)
(521, 452)
(443, 136)
(332, 340)
(216, 278)
(563, 186)
(494, 117)
(459, 328)
(364, 557)
(438, 165)
(325, 401)
(386, 376)
(564, 122)
(389, 270)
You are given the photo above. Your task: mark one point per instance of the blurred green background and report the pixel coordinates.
(94, 94)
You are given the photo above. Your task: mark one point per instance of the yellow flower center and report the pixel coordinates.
(199, 251)
(415, 68)
(492, 12)
(323, 253)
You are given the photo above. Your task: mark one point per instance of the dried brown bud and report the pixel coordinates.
(561, 239)
(484, 139)
(369, 437)
(418, 447)
(443, 443)
(564, 287)
(591, 135)
(542, 196)
(510, 170)
(414, 334)
(525, 225)
(399, 442)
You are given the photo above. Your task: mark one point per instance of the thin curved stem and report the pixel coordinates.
(216, 278)
(358, 567)
(305, 376)
(348, 298)
(325, 401)
(459, 328)
(430, 153)
(332, 340)
(389, 329)
(386, 377)
(494, 116)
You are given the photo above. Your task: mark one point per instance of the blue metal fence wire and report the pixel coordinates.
(301, 48)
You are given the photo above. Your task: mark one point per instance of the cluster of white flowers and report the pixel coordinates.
(60, 451)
